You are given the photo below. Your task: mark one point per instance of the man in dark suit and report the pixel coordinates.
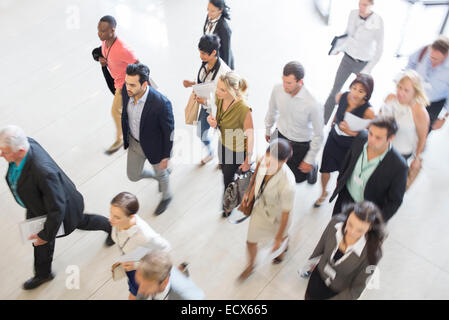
(148, 126)
(373, 170)
(42, 188)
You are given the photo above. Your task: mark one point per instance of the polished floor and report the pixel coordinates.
(53, 89)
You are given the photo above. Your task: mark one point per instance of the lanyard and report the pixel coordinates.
(107, 55)
(124, 244)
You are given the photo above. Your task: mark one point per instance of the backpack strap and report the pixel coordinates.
(422, 53)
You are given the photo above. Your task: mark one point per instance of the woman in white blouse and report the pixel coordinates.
(211, 69)
(274, 199)
(129, 232)
(407, 107)
(362, 49)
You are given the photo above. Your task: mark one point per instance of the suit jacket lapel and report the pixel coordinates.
(379, 170)
(146, 110)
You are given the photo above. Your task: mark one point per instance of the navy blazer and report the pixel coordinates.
(223, 31)
(386, 186)
(157, 125)
(46, 190)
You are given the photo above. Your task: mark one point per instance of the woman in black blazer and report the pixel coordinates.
(217, 14)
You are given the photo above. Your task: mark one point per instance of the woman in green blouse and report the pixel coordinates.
(235, 122)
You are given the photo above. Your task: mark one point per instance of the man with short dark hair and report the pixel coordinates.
(432, 65)
(299, 120)
(116, 56)
(148, 126)
(373, 170)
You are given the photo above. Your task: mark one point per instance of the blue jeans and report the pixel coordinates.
(202, 130)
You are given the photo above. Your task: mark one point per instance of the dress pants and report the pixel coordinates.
(343, 198)
(434, 110)
(230, 162)
(300, 150)
(43, 255)
(136, 171)
(348, 65)
(202, 130)
(116, 111)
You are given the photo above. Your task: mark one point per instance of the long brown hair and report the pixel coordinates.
(369, 212)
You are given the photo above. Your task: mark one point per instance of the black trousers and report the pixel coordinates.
(434, 110)
(343, 198)
(300, 150)
(230, 162)
(43, 255)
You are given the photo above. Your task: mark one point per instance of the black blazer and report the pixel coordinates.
(224, 32)
(386, 186)
(157, 125)
(46, 190)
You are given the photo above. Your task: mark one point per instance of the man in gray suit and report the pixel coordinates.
(158, 280)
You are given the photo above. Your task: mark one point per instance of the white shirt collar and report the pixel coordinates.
(213, 21)
(162, 295)
(142, 98)
(357, 247)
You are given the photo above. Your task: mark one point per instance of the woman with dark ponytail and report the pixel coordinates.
(217, 14)
(347, 253)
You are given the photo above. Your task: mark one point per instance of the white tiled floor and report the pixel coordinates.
(54, 90)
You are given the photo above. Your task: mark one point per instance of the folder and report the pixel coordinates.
(338, 44)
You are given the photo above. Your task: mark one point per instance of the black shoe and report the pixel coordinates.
(312, 176)
(109, 242)
(35, 282)
(162, 206)
(225, 214)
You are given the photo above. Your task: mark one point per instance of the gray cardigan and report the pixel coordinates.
(352, 274)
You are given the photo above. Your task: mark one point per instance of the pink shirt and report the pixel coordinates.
(118, 57)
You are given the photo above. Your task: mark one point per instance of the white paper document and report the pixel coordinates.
(204, 90)
(265, 255)
(33, 226)
(135, 255)
(355, 123)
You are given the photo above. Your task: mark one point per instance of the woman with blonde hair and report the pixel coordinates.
(407, 107)
(235, 122)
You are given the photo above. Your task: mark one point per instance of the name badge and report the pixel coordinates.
(329, 271)
(358, 181)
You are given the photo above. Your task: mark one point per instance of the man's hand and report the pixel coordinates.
(103, 61)
(38, 242)
(305, 167)
(163, 164)
(438, 124)
(268, 138)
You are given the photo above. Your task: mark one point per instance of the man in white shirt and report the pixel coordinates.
(362, 49)
(299, 120)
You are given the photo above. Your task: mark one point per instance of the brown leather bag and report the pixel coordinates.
(247, 204)
(191, 110)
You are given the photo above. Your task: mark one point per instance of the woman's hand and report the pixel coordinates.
(212, 121)
(202, 101)
(245, 166)
(128, 266)
(344, 126)
(416, 164)
(188, 84)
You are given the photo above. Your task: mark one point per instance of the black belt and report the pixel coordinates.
(356, 60)
(291, 141)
